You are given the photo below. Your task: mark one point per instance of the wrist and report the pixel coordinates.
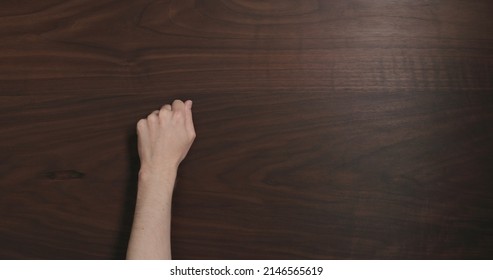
(157, 173)
(162, 178)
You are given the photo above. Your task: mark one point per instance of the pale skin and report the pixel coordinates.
(164, 139)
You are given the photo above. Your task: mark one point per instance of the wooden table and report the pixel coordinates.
(325, 129)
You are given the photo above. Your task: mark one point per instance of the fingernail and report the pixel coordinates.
(190, 106)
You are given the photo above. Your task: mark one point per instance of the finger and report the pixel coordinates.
(142, 136)
(153, 117)
(141, 125)
(188, 104)
(189, 118)
(178, 105)
(166, 107)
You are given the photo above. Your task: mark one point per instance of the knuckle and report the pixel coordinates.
(163, 112)
(179, 116)
(178, 104)
(141, 123)
(152, 118)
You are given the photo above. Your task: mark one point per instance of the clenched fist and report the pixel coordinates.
(165, 137)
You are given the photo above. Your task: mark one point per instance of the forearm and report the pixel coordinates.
(164, 138)
(150, 238)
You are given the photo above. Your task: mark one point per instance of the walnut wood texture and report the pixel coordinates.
(347, 129)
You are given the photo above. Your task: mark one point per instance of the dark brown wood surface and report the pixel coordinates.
(347, 129)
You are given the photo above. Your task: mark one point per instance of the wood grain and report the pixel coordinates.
(325, 129)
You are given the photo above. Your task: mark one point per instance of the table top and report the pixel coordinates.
(325, 129)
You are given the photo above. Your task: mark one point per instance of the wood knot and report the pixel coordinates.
(64, 175)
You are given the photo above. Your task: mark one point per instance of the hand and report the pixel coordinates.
(165, 137)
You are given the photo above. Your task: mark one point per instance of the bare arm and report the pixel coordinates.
(164, 139)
